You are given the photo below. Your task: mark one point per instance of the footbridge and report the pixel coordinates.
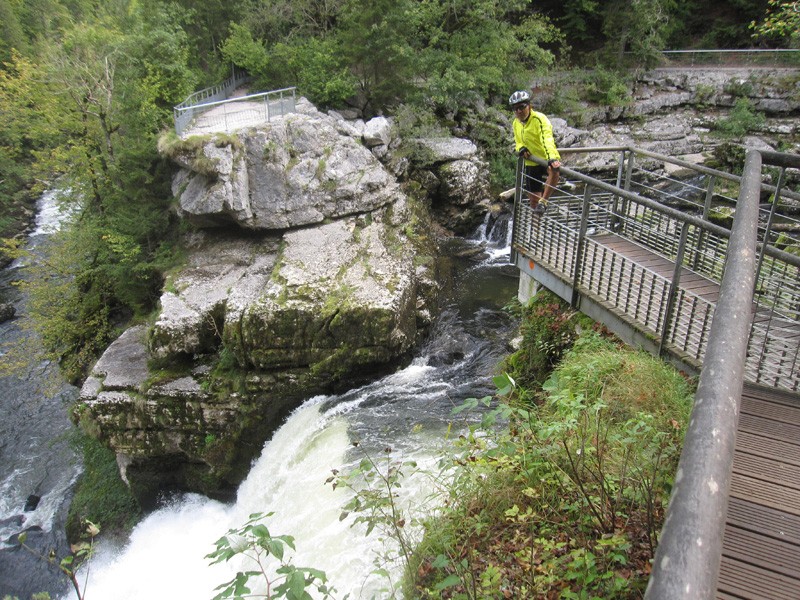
(703, 270)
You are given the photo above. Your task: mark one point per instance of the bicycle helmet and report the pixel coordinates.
(519, 96)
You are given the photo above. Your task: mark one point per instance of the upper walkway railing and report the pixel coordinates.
(751, 57)
(690, 548)
(184, 112)
(740, 321)
(212, 109)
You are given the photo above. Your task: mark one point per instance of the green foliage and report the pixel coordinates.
(607, 87)
(638, 28)
(729, 156)
(254, 542)
(316, 66)
(80, 553)
(741, 120)
(781, 24)
(566, 500)
(101, 496)
(549, 327)
(375, 485)
(243, 51)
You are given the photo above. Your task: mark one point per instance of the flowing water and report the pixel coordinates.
(408, 411)
(37, 464)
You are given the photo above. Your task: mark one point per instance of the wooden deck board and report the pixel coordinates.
(767, 522)
(761, 543)
(744, 580)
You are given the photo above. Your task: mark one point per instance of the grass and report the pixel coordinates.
(101, 496)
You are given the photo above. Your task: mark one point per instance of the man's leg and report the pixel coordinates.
(550, 184)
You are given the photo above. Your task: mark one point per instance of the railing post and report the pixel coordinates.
(712, 182)
(687, 561)
(587, 203)
(768, 228)
(673, 288)
(516, 212)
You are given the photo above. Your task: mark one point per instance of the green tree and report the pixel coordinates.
(206, 23)
(243, 51)
(638, 27)
(112, 93)
(375, 41)
(316, 67)
(781, 24)
(12, 36)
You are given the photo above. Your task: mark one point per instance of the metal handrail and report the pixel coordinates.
(755, 54)
(247, 114)
(688, 557)
(184, 112)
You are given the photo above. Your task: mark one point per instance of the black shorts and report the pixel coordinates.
(533, 178)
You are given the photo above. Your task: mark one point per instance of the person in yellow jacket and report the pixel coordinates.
(533, 136)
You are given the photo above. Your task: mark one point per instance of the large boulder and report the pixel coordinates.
(455, 177)
(342, 301)
(300, 278)
(295, 171)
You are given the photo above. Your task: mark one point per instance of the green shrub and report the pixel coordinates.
(741, 120)
(549, 327)
(567, 500)
(101, 496)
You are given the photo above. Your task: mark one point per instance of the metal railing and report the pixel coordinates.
(677, 319)
(234, 113)
(751, 57)
(184, 112)
(750, 333)
(690, 549)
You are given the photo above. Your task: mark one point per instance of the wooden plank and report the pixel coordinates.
(743, 580)
(772, 394)
(767, 469)
(762, 551)
(769, 428)
(764, 446)
(748, 515)
(765, 493)
(785, 413)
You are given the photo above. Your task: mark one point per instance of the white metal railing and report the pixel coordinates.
(183, 112)
(748, 331)
(235, 113)
(744, 57)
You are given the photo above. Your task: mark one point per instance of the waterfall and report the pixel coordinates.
(408, 411)
(288, 479)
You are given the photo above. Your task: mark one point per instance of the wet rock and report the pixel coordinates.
(7, 311)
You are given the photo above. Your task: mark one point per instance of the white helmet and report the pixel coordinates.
(520, 96)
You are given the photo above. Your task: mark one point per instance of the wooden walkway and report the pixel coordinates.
(761, 547)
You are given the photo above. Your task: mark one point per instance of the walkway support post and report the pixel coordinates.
(689, 553)
(587, 203)
(673, 289)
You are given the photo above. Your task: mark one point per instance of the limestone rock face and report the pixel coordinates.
(456, 178)
(299, 170)
(299, 279)
(342, 300)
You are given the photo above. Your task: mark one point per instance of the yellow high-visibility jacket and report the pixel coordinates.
(536, 134)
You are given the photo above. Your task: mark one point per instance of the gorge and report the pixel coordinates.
(199, 428)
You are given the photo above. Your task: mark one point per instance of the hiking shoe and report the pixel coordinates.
(540, 208)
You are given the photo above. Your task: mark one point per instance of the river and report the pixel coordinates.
(408, 411)
(36, 458)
